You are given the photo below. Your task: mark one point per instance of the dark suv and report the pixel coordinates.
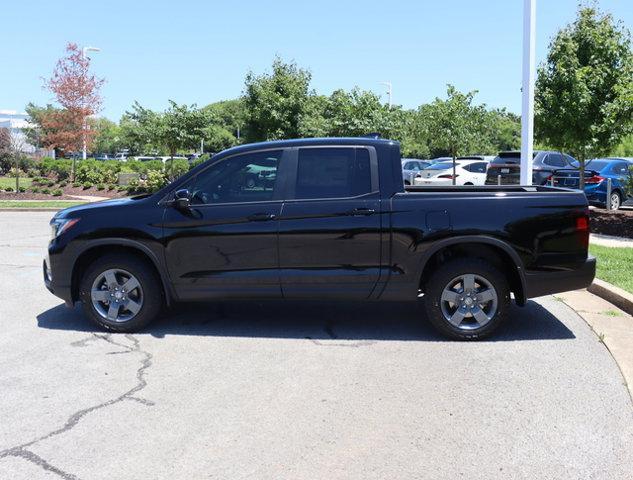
(505, 168)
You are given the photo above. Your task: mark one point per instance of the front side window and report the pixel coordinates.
(333, 173)
(250, 177)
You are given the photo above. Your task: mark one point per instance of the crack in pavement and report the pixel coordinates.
(146, 362)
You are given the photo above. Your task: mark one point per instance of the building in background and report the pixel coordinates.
(17, 122)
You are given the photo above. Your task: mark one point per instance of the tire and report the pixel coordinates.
(137, 306)
(616, 201)
(450, 279)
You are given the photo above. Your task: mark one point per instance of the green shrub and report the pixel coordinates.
(121, 188)
(63, 183)
(155, 181)
(46, 191)
(111, 187)
(59, 167)
(8, 189)
(35, 189)
(22, 189)
(101, 186)
(57, 193)
(77, 184)
(86, 185)
(50, 183)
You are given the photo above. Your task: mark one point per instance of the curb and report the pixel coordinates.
(26, 209)
(612, 294)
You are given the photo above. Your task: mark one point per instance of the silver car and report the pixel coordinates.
(411, 167)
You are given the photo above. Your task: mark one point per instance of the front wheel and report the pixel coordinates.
(466, 299)
(121, 293)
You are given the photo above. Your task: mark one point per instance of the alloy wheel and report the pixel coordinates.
(116, 295)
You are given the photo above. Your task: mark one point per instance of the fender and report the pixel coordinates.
(495, 242)
(126, 242)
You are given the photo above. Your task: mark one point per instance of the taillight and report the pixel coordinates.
(449, 176)
(594, 179)
(582, 228)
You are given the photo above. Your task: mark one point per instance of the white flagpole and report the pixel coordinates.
(529, 74)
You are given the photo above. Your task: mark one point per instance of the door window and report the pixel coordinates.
(479, 167)
(251, 177)
(333, 173)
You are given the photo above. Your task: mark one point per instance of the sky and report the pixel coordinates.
(200, 51)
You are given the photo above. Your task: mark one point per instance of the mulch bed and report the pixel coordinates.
(67, 191)
(617, 223)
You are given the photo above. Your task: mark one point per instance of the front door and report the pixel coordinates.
(330, 225)
(226, 244)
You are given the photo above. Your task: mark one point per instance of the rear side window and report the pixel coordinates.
(620, 169)
(333, 173)
(479, 167)
(554, 160)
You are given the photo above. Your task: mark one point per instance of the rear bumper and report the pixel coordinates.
(538, 284)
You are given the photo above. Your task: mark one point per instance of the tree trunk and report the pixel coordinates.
(171, 166)
(17, 174)
(581, 170)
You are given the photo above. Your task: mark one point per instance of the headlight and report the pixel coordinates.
(60, 225)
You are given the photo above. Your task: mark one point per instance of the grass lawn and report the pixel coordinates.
(10, 182)
(614, 265)
(39, 203)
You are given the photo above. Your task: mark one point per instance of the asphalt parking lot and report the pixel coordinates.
(292, 390)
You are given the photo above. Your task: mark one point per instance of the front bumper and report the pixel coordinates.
(62, 291)
(538, 284)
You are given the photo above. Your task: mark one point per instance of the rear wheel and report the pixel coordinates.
(121, 293)
(616, 201)
(466, 299)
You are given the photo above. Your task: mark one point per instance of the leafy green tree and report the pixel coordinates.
(142, 130)
(355, 113)
(225, 127)
(276, 102)
(454, 125)
(625, 148)
(181, 127)
(584, 90)
(108, 138)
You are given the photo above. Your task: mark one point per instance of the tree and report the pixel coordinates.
(77, 92)
(454, 125)
(225, 124)
(108, 138)
(181, 127)
(276, 102)
(355, 113)
(141, 129)
(584, 90)
(16, 144)
(5, 150)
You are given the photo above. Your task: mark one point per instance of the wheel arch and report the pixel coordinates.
(493, 250)
(101, 247)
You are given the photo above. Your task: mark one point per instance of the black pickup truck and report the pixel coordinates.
(320, 219)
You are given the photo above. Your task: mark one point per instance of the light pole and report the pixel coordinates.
(85, 125)
(527, 104)
(389, 90)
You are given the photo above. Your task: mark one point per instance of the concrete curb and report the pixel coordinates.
(612, 294)
(26, 209)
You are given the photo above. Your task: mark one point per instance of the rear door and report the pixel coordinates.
(330, 224)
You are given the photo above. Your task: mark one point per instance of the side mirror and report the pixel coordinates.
(182, 199)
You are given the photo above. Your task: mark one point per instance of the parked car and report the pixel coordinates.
(506, 167)
(145, 158)
(121, 157)
(483, 158)
(411, 167)
(597, 171)
(103, 157)
(467, 172)
(337, 223)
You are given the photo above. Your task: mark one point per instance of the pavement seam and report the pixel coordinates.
(146, 362)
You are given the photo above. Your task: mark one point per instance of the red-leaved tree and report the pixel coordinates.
(77, 92)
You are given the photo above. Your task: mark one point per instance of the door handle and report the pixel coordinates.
(358, 212)
(261, 217)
